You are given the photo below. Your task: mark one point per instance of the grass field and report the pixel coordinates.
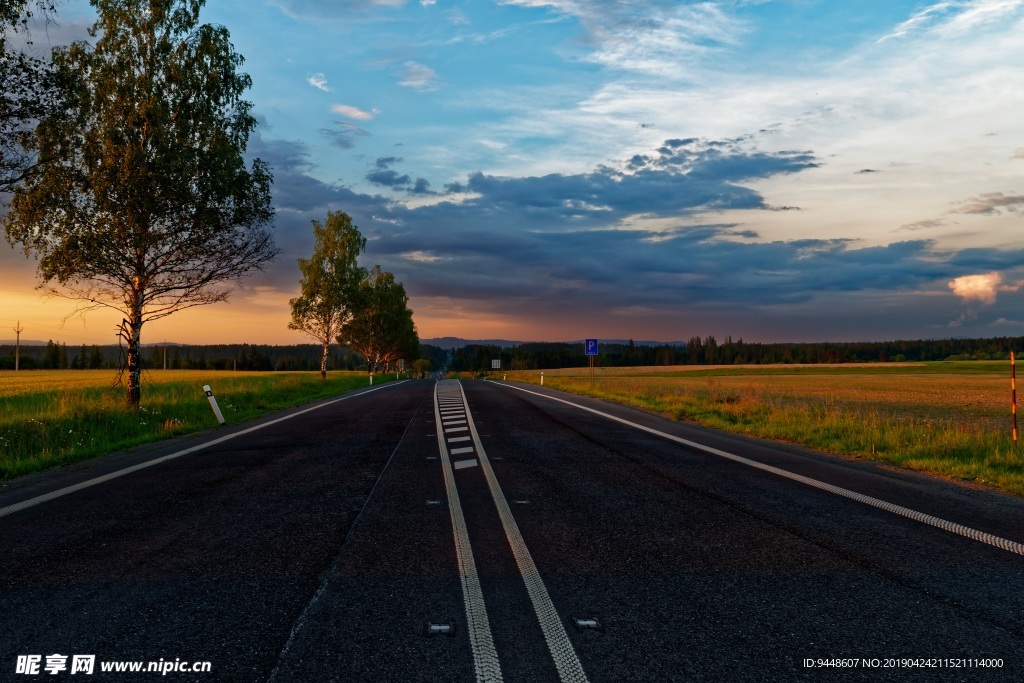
(948, 418)
(51, 417)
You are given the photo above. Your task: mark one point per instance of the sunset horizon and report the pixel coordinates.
(544, 170)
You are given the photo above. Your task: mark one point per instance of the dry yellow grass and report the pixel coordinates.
(951, 419)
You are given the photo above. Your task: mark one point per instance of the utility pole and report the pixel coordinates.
(17, 344)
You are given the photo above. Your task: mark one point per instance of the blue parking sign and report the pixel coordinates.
(591, 347)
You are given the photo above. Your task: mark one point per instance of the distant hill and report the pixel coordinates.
(459, 343)
(24, 342)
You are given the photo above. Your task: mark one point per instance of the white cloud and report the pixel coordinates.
(982, 289)
(956, 16)
(418, 76)
(921, 19)
(1018, 153)
(977, 288)
(351, 112)
(422, 256)
(662, 39)
(318, 81)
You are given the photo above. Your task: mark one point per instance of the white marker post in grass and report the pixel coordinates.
(213, 404)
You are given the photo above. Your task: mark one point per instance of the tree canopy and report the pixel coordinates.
(330, 282)
(381, 328)
(31, 89)
(146, 204)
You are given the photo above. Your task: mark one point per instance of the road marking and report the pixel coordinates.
(460, 451)
(141, 466)
(937, 522)
(453, 422)
(455, 439)
(485, 658)
(463, 464)
(566, 661)
(456, 429)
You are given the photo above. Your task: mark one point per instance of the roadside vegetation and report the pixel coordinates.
(50, 418)
(951, 419)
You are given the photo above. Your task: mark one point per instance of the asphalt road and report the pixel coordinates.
(396, 536)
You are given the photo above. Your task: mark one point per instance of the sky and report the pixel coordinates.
(553, 170)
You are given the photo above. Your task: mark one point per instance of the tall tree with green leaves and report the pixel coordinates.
(381, 328)
(330, 282)
(147, 205)
(31, 89)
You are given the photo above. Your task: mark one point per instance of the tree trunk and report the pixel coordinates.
(323, 362)
(134, 362)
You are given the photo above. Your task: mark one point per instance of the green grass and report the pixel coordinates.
(51, 418)
(951, 419)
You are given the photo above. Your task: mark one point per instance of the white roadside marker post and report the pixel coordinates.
(542, 379)
(213, 404)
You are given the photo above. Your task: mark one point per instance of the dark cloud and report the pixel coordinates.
(926, 224)
(344, 134)
(991, 203)
(287, 156)
(685, 176)
(422, 186)
(388, 178)
(385, 176)
(555, 247)
(867, 170)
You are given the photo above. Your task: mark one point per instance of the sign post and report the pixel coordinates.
(1013, 394)
(591, 351)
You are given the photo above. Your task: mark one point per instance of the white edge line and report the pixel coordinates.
(937, 522)
(31, 502)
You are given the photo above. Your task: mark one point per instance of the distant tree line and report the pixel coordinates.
(532, 356)
(58, 356)
(708, 351)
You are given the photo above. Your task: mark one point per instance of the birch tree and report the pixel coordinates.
(330, 282)
(381, 328)
(146, 205)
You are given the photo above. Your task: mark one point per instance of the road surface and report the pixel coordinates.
(486, 531)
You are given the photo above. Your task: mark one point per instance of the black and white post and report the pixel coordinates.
(213, 404)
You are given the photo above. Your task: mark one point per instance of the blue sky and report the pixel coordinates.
(777, 170)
